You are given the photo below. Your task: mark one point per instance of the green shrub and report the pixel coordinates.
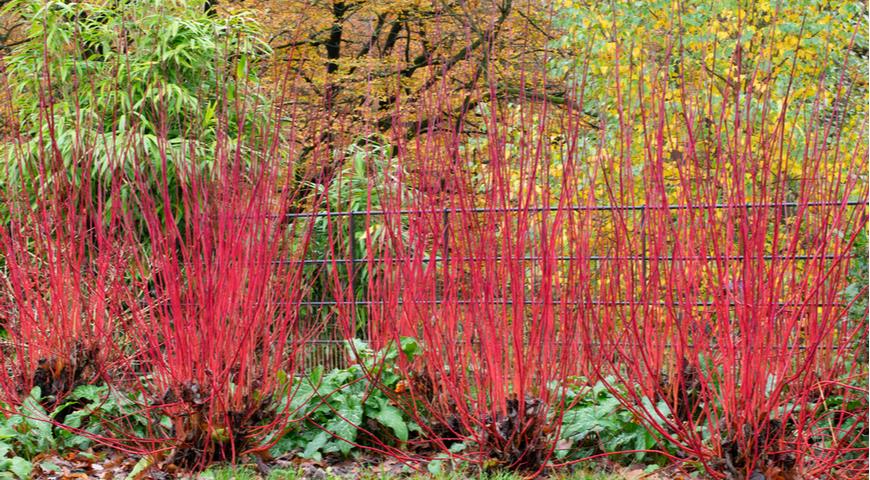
(598, 423)
(27, 432)
(336, 404)
(113, 84)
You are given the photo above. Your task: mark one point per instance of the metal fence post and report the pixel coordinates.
(351, 269)
(643, 244)
(445, 226)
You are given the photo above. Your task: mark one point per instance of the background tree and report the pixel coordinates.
(785, 54)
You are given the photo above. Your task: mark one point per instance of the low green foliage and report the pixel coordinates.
(842, 413)
(32, 430)
(335, 404)
(28, 433)
(331, 407)
(598, 423)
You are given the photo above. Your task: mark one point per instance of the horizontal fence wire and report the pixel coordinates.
(323, 303)
(560, 258)
(712, 206)
(615, 303)
(591, 344)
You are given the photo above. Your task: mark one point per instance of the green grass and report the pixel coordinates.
(242, 473)
(283, 474)
(229, 473)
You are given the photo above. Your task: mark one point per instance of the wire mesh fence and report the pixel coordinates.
(329, 349)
